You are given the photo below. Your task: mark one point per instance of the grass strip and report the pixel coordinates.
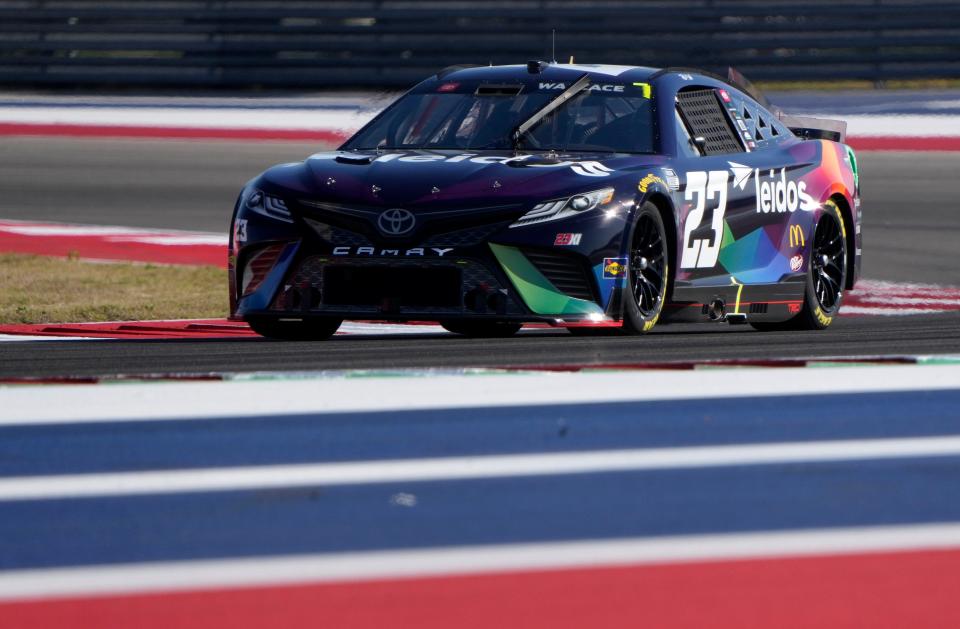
(39, 289)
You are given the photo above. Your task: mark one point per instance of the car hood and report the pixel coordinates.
(421, 180)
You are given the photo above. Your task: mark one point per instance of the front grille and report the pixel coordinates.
(465, 237)
(337, 235)
(396, 285)
(564, 271)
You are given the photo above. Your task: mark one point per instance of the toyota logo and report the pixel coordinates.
(396, 222)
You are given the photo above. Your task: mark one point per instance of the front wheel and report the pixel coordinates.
(307, 330)
(826, 276)
(482, 329)
(648, 272)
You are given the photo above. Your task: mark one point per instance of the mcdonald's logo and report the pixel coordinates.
(796, 236)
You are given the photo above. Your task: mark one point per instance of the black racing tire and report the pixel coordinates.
(826, 276)
(648, 272)
(482, 329)
(313, 329)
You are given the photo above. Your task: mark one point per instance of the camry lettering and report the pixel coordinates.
(373, 251)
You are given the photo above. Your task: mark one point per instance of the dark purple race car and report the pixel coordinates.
(588, 197)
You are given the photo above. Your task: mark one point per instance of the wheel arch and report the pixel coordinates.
(849, 235)
(668, 216)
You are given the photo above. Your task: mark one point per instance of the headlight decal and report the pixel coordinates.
(268, 205)
(564, 208)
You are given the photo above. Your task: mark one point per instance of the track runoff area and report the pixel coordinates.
(658, 498)
(741, 497)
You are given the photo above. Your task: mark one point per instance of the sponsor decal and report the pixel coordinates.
(396, 222)
(703, 188)
(395, 253)
(752, 144)
(741, 124)
(590, 169)
(614, 268)
(796, 236)
(796, 263)
(685, 76)
(586, 169)
(673, 182)
(240, 230)
(793, 308)
(448, 87)
(724, 96)
(650, 179)
(609, 87)
(822, 318)
(567, 240)
(774, 192)
(647, 91)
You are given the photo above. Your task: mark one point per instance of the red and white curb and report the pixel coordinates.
(910, 132)
(128, 244)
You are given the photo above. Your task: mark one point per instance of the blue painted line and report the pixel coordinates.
(511, 510)
(130, 446)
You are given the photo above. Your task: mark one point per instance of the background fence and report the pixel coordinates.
(279, 43)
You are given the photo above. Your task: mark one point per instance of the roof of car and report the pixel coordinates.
(551, 72)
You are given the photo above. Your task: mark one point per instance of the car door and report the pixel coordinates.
(721, 161)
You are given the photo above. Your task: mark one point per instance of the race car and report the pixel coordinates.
(597, 198)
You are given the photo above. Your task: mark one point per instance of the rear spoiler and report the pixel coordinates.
(806, 127)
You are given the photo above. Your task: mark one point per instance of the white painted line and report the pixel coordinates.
(28, 228)
(888, 312)
(201, 400)
(905, 301)
(899, 125)
(178, 576)
(466, 468)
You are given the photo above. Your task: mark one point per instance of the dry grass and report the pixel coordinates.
(37, 289)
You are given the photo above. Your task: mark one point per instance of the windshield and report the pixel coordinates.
(593, 121)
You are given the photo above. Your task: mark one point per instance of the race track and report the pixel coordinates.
(749, 497)
(910, 232)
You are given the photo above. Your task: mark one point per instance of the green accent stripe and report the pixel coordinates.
(537, 292)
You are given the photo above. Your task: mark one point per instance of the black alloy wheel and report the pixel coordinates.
(648, 272)
(828, 261)
(648, 261)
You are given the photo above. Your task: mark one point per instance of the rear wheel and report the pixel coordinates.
(648, 272)
(482, 329)
(826, 276)
(306, 330)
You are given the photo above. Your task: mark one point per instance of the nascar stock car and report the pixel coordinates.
(584, 196)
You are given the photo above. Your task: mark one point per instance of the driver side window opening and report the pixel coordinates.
(685, 145)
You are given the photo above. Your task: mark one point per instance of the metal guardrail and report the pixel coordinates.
(392, 43)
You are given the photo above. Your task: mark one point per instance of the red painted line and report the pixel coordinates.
(185, 133)
(201, 328)
(897, 143)
(906, 589)
(102, 248)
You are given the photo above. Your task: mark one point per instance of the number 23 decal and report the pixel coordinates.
(704, 187)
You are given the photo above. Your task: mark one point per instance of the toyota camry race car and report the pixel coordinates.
(582, 196)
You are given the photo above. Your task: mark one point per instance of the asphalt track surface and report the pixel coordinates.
(911, 229)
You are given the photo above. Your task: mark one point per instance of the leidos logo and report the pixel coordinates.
(796, 236)
(773, 193)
